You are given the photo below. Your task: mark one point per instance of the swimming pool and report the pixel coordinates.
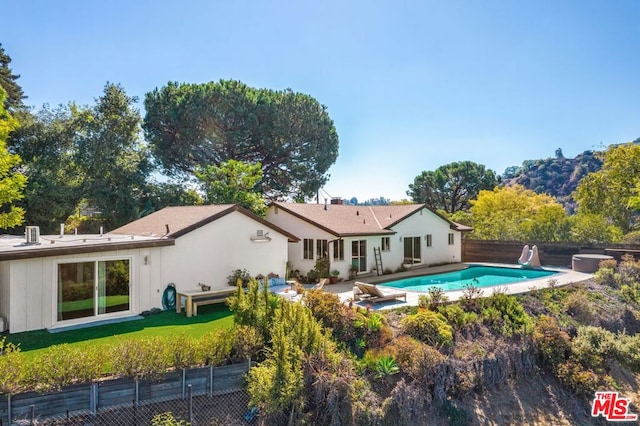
(476, 275)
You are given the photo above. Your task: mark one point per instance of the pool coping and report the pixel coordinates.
(345, 289)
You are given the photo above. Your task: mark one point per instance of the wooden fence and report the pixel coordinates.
(91, 397)
(552, 254)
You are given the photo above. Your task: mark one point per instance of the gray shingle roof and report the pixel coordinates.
(345, 220)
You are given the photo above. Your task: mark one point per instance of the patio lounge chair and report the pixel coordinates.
(320, 285)
(372, 293)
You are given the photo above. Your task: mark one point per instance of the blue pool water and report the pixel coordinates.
(476, 275)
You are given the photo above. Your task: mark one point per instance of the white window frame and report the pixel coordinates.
(307, 248)
(452, 239)
(385, 243)
(95, 260)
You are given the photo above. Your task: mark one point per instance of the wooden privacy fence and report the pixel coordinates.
(552, 254)
(89, 398)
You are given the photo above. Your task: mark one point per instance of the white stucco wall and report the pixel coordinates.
(32, 285)
(420, 224)
(211, 253)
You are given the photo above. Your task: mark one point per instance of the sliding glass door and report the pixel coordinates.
(359, 255)
(87, 289)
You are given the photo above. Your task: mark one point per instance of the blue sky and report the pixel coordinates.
(410, 85)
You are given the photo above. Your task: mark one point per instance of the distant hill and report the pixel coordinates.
(558, 176)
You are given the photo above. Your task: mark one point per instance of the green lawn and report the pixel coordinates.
(162, 324)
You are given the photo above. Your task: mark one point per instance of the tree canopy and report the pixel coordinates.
(84, 155)
(290, 134)
(451, 187)
(233, 182)
(610, 191)
(8, 81)
(11, 182)
(518, 214)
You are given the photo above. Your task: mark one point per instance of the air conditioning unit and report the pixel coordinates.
(32, 234)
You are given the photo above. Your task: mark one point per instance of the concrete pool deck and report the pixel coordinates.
(344, 289)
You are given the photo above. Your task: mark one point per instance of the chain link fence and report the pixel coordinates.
(228, 410)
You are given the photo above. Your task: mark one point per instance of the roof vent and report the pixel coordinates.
(32, 234)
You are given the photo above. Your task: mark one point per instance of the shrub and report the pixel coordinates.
(551, 341)
(592, 346)
(246, 342)
(458, 317)
(435, 296)
(332, 313)
(215, 346)
(386, 366)
(183, 351)
(413, 356)
(629, 270)
(239, 276)
(607, 276)
(139, 358)
(505, 313)
(166, 419)
(62, 365)
(429, 327)
(578, 306)
(470, 296)
(12, 367)
(582, 381)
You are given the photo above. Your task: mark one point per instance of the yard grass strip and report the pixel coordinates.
(164, 324)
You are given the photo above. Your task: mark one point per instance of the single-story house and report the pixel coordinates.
(365, 239)
(60, 280)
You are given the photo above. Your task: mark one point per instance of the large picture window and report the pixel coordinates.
(87, 289)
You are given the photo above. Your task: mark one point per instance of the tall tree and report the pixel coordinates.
(11, 182)
(611, 190)
(113, 161)
(46, 143)
(233, 182)
(14, 94)
(93, 155)
(518, 214)
(290, 134)
(451, 187)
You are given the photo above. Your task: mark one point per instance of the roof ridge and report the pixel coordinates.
(373, 213)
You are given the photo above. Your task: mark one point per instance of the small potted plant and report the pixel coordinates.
(334, 276)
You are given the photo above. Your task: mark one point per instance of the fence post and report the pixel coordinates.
(190, 405)
(137, 399)
(184, 382)
(9, 407)
(93, 398)
(33, 414)
(211, 380)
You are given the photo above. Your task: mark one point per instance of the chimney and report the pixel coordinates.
(325, 204)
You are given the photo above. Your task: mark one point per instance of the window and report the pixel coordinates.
(307, 249)
(87, 289)
(429, 239)
(385, 244)
(322, 247)
(338, 250)
(412, 250)
(451, 239)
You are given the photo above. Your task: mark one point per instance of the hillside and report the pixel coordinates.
(492, 378)
(558, 176)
